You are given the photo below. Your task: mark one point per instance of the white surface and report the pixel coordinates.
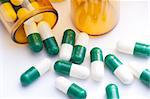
(15, 58)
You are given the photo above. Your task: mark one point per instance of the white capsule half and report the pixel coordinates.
(63, 84)
(82, 39)
(125, 46)
(45, 30)
(44, 66)
(80, 72)
(97, 70)
(124, 74)
(66, 51)
(136, 69)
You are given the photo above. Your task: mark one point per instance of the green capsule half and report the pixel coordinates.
(29, 76)
(63, 67)
(96, 54)
(112, 62)
(51, 46)
(112, 92)
(78, 54)
(35, 42)
(145, 77)
(69, 37)
(141, 49)
(76, 92)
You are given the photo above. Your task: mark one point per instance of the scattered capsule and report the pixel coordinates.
(33, 36)
(112, 91)
(134, 48)
(141, 73)
(79, 50)
(68, 42)
(120, 70)
(22, 12)
(49, 40)
(97, 65)
(16, 2)
(35, 72)
(69, 69)
(71, 89)
(7, 11)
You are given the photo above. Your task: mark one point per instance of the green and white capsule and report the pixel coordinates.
(33, 36)
(49, 40)
(69, 88)
(67, 45)
(67, 68)
(97, 64)
(134, 48)
(141, 73)
(79, 50)
(120, 70)
(112, 91)
(35, 72)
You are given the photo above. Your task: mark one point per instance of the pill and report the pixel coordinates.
(49, 40)
(112, 91)
(67, 68)
(69, 88)
(7, 11)
(22, 12)
(35, 72)
(120, 70)
(140, 72)
(16, 2)
(79, 50)
(33, 36)
(67, 45)
(134, 48)
(97, 64)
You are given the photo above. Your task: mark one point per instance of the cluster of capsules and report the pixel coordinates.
(38, 31)
(72, 54)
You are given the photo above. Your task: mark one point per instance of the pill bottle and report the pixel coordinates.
(95, 17)
(56, 0)
(14, 13)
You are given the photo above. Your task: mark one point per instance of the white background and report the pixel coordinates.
(15, 58)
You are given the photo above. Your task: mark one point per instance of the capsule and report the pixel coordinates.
(134, 48)
(120, 70)
(16, 2)
(35, 72)
(68, 42)
(49, 40)
(67, 68)
(97, 65)
(32, 6)
(33, 36)
(141, 73)
(79, 50)
(22, 12)
(112, 91)
(71, 89)
(8, 11)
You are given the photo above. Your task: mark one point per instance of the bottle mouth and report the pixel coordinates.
(18, 34)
